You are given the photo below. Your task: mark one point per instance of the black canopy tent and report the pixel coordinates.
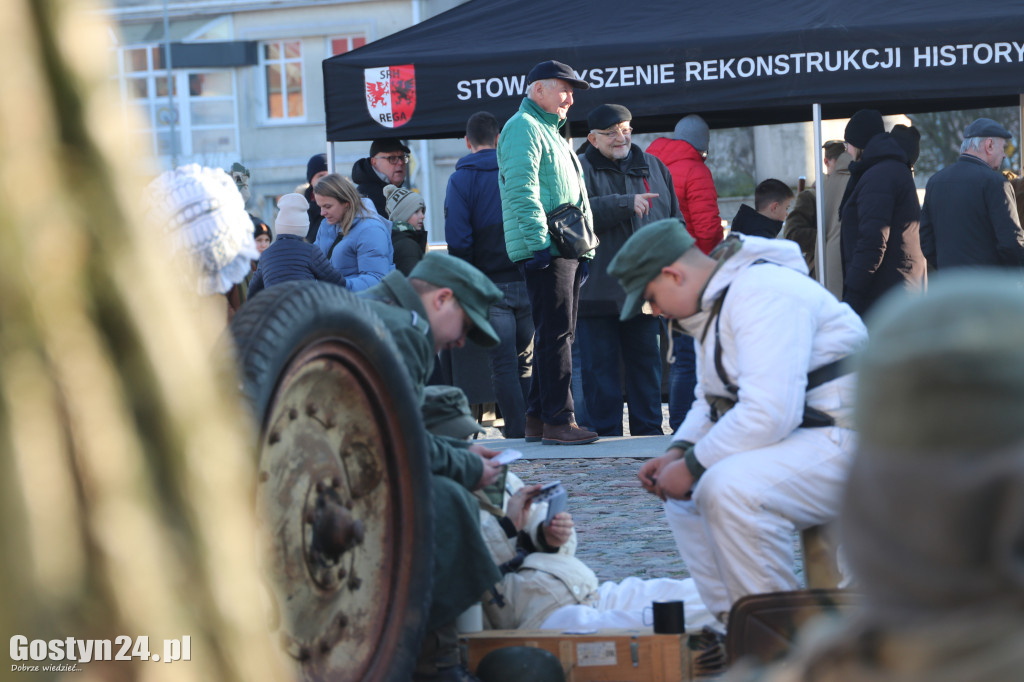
(736, 62)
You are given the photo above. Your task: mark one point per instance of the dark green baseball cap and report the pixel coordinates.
(474, 291)
(642, 257)
(446, 412)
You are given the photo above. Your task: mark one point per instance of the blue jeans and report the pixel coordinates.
(554, 298)
(604, 342)
(512, 359)
(682, 378)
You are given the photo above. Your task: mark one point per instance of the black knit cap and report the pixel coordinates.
(316, 164)
(607, 115)
(259, 228)
(864, 125)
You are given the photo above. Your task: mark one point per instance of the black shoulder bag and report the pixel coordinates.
(571, 231)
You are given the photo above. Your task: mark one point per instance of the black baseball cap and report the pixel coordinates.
(387, 144)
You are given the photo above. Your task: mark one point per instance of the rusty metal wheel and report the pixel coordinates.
(344, 488)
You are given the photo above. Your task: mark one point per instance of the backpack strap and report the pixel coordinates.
(813, 417)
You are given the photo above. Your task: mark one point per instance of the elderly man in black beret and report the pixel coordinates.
(970, 215)
(628, 189)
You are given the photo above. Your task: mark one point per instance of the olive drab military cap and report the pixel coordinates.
(643, 256)
(474, 291)
(446, 412)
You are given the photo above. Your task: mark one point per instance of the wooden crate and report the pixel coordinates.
(605, 656)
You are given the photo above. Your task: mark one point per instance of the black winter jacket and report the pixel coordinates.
(881, 245)
(970, 217)
(369, 184)
(749, 221)
(289, 258)
(611, 187)
(409, 247)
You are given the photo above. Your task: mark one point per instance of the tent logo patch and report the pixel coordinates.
(391, 94)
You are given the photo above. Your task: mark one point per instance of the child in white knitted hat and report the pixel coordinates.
(406, 209)
(291, 257)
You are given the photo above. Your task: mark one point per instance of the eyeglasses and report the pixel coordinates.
(394, 159)
(625, 131)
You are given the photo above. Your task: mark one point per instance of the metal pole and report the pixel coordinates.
(170, 86)
(819, 199)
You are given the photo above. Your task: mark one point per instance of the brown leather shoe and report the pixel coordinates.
(567, 434)
(534, 429)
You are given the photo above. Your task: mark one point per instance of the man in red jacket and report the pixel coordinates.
(684, 154)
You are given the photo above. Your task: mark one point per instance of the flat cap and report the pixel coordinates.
(553, 69)
(607, 115)
(986, 127)
(474, 291)
(643, 256)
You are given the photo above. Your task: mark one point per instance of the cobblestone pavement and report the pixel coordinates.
(621, 528)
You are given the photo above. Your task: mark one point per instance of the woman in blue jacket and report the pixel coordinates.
(355, 240)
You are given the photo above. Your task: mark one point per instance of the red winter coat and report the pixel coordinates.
(698, 199)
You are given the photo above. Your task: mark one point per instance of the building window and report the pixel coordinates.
(199, 103)
(343, 44)
(281, 65)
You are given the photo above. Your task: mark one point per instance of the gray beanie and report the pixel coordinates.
(694, 130)
(401, 202)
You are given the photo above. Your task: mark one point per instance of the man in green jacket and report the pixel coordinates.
(537, 172)
(444, 301)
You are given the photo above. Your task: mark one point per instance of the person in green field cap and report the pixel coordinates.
(765, 446)
(932, 518)
(442, 302)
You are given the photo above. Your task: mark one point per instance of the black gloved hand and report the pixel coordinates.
(541, 259)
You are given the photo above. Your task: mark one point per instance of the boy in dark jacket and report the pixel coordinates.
(771, 204)
(291, 256)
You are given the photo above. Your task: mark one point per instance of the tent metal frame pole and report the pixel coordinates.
(819, 197)
(330, 156)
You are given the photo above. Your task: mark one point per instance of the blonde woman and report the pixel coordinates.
(354, 239)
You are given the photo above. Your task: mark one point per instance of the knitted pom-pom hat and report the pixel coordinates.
(401, 203)
(204, 215)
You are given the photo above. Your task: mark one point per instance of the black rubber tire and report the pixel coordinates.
(271, 330)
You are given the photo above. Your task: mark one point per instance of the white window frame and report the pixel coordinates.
(183, 127)
(265, 117)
